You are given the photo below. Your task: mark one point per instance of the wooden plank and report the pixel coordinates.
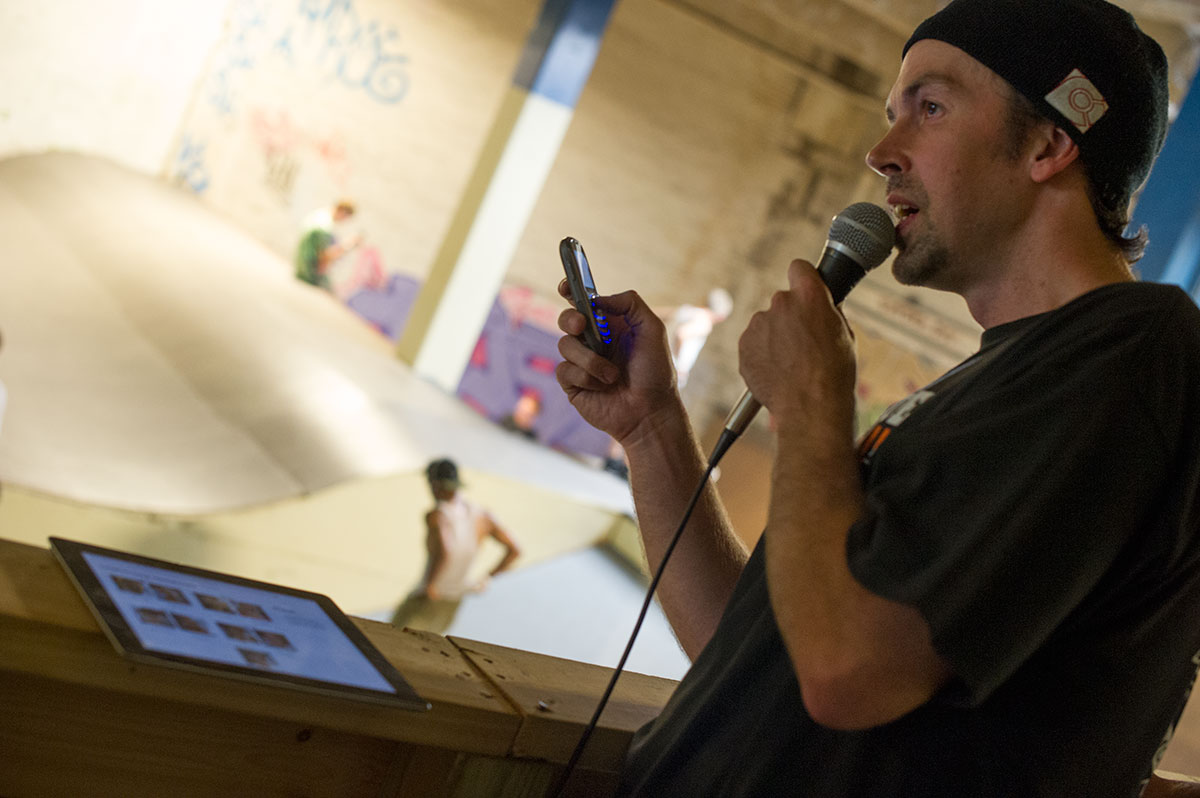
(46, 631)
(35, 587)
(67, 739)
(557, 697)
(134, 746)
(88, 660)
(425, 772)
(502, 720)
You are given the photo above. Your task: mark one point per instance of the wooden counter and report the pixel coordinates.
(78, 719)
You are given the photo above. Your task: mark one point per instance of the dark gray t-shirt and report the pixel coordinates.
(1039, 506)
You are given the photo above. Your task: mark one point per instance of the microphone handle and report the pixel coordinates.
(840, 271)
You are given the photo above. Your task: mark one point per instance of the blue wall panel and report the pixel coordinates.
(1170, 204)
(560, 52)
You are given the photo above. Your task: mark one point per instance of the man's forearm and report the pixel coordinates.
(510, 556)
(666, 465)
(861, 659)
(1170, 788)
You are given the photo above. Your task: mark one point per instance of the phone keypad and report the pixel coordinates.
(601, 323)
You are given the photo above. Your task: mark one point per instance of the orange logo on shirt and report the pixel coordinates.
(893, 417)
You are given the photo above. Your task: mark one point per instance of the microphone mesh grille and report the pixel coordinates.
(867, 231)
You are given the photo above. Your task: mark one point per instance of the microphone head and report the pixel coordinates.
(865, 232)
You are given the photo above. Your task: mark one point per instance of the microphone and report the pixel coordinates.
(860, 238)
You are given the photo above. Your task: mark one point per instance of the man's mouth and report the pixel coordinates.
(903, 213)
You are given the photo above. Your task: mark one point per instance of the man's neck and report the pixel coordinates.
(1053, 264)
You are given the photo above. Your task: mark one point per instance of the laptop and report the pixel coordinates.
(165, 613)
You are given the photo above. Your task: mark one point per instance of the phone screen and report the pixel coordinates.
(585, 271)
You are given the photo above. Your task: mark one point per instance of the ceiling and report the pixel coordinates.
(857, 42)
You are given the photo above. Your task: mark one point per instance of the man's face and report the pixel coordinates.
(443, 489)
(951, 177)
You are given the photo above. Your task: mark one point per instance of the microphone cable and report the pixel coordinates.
(723, 443)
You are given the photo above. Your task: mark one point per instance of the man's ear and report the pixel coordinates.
(1056, 151)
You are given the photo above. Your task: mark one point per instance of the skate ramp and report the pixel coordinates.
(159, 359)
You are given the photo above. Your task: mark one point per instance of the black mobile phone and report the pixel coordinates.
(597, 336)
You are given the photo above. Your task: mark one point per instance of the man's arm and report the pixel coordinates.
(512, 550)
(334, 250)
(634, 399)
(861, 660)
(665, 468)
(1171, 788)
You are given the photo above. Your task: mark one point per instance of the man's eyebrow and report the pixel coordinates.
(919, 83)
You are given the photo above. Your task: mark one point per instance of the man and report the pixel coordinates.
(688, 328)
(319, 246)
(996, 592)
(455, 528)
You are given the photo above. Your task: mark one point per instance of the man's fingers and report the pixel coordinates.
(601, 371)
(806, 281)
(622, 304)
(800, 273)
(571, 322)
(572, 378)
(583, 368)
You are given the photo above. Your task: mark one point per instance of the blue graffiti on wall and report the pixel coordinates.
(247, 19)
(361, 54)
(190, 170)
(328, 34)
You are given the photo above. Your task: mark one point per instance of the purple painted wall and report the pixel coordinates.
(387, 308)
(516, 352)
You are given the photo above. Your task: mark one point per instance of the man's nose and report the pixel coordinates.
(888, 156)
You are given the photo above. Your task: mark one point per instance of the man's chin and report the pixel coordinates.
(915, 268)
(906, 272)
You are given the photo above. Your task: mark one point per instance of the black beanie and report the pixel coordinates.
(1084, 64)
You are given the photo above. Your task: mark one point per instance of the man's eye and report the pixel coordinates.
(930, 108)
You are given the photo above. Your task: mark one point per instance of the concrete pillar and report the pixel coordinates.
(524, 140)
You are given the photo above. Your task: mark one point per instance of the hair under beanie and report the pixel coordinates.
(1084, 64)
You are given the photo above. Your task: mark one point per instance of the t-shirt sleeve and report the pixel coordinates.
(996, 510)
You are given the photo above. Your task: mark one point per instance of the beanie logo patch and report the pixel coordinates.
(1078, 99)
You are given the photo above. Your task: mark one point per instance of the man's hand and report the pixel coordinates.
(797, 357)
(618, 395)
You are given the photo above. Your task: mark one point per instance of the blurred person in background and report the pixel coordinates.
(455, 529)
(319, 244)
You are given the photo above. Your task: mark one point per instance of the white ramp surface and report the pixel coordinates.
(159, 359)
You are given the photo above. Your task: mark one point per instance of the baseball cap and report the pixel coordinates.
(442, 470)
